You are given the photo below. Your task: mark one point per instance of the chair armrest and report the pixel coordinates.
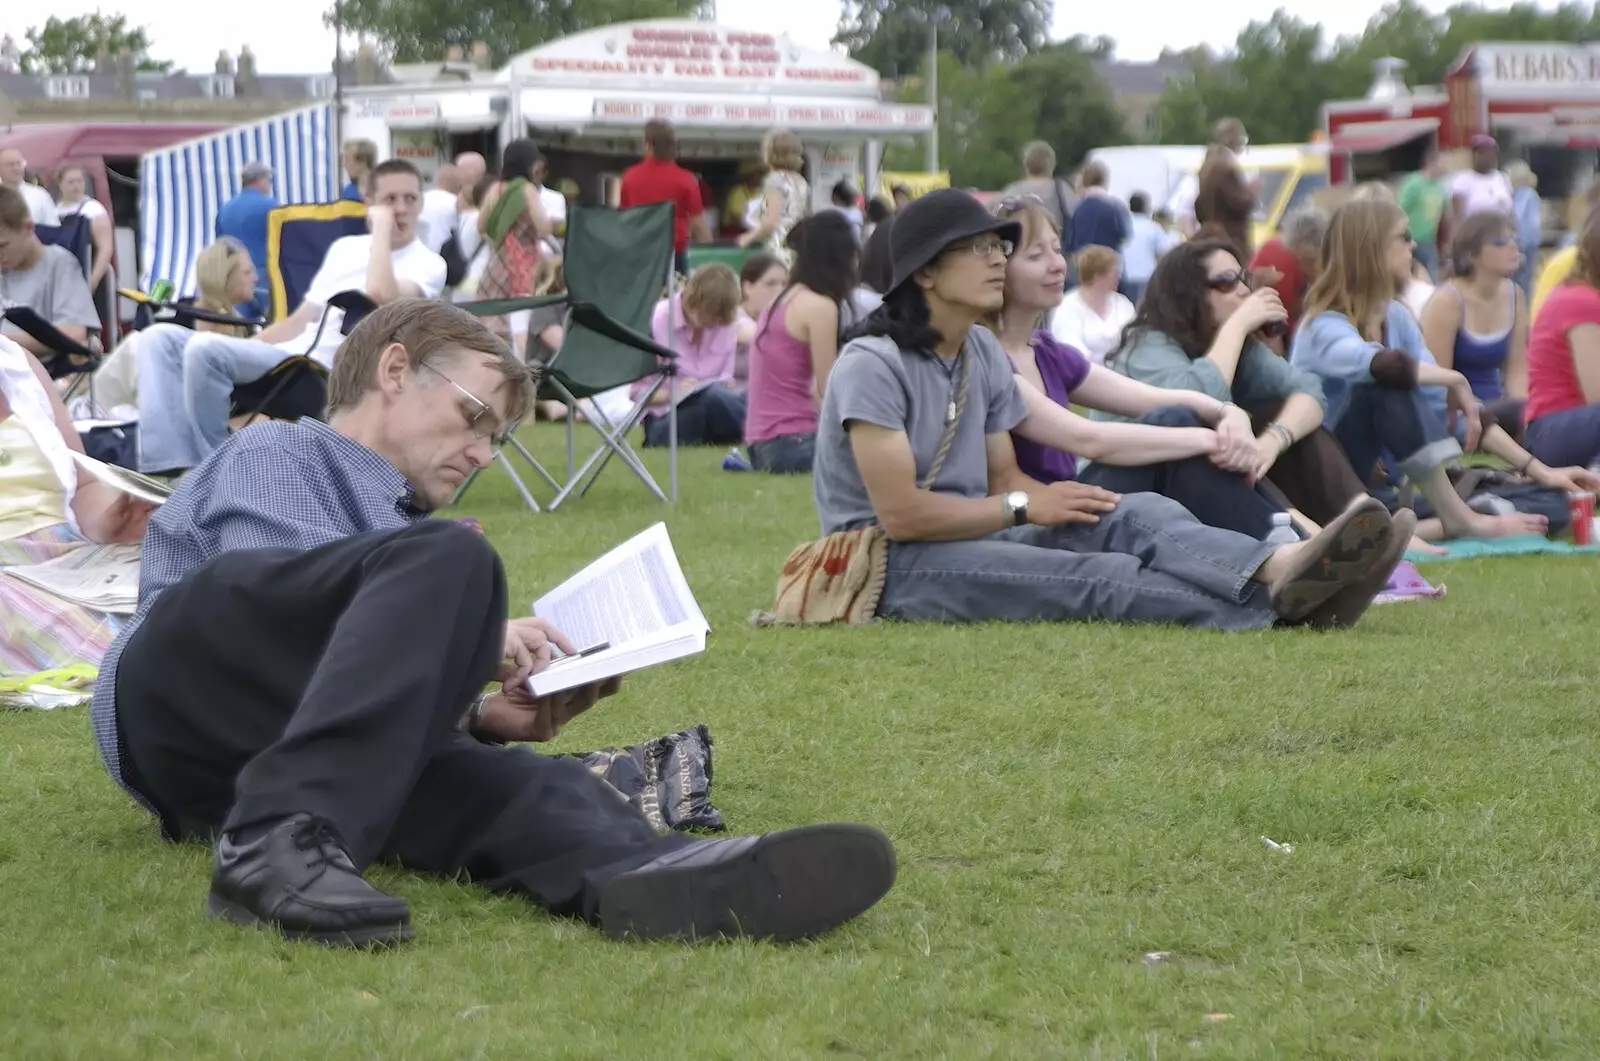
(592, 317)
(494, 307)
(48, 334)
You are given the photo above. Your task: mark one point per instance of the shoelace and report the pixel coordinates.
(318, 836)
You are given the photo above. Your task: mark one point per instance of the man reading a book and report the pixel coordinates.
(303, 683)
(44, 278)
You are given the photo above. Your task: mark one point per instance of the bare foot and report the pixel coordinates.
(1418, 545)
(1480, 526)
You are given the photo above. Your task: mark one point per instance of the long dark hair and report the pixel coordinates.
(877, 268)
(518, 159)
(903, 318)
(1175, 301)
(825, 261)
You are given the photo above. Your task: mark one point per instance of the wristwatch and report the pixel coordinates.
(1016, 503)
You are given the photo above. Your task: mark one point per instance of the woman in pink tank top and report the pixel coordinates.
(797, 340)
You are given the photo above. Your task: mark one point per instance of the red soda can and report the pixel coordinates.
(1581, 507)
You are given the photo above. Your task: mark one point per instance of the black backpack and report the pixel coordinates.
(455, 266)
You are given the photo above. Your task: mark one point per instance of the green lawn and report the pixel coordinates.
(1064, 800)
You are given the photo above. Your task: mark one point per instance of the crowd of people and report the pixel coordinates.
(1055, 407)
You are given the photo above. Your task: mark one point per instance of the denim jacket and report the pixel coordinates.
(1329, 346)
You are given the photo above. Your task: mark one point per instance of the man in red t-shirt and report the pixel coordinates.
(1295, 254)
(659, 179)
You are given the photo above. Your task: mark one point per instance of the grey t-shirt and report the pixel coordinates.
(876, 382)
(53, 287)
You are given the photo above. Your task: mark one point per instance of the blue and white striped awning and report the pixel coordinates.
(182, 187)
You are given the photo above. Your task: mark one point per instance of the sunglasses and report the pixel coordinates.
(1012, 203)
(1229, 281)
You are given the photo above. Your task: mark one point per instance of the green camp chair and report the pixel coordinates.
(617, 265)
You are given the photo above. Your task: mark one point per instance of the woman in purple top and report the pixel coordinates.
(700, 326)
(797, 340)
(1187, 446)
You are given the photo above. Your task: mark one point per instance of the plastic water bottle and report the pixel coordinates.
(1282, 532)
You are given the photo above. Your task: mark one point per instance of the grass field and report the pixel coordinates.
(1065, 800)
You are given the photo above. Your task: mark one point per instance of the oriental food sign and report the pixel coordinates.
(694, 53)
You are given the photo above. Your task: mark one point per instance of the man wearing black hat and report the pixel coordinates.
(914, 435)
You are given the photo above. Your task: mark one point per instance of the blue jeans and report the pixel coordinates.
(1428, 255)
(1149, 561)
(1379, 420)
(784, 455)
(1214, 497)
(186, 382)
(1566, 439)
(1524, 277)
(1134, 289)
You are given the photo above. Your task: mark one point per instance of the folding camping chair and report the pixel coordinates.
(617, 265)
(66, 357)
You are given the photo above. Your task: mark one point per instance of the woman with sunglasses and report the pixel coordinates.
(1199, 328)
(1386, 394)
(914, 438)
(1191, 447)
(1476, 322)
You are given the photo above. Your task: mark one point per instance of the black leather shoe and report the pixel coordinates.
(781, 886)
(297, 877)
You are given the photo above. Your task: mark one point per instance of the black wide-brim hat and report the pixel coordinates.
(933, 222)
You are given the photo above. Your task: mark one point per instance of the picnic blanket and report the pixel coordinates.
(1520, 545)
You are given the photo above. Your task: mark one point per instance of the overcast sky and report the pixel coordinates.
(288, 35)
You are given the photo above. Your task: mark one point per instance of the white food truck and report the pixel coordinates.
(585, 100)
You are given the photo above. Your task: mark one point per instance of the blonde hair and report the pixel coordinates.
(1355, 281)
(1094, 262)
(782, 149)
(549, 278)
(712, 295)
(1029, 212)
(213, 270)
(1521, 174)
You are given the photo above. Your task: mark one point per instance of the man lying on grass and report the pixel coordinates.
(914, 436)
(304, 682)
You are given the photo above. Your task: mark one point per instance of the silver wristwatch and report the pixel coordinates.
(1016, 503)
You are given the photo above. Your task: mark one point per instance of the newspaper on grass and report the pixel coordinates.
(124, 479)
(102, 577)
(636, 599)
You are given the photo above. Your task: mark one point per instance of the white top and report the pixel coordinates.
(437, 220)
(344, 268)
(1416, 295)
(555, 207)
(40, 205)
(1079, 326)
(1480, 192)
(89, 208)
(30, 404)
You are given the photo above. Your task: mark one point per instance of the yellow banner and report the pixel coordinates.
(916, 182)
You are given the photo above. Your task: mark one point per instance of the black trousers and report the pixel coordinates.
(714, 417)
(1215, 497)
(1314, 475)
(272, 682)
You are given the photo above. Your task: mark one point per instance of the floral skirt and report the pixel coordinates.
(40, 632)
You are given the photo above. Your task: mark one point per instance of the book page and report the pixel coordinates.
(635, 593)
(102, 577)
(129, 482)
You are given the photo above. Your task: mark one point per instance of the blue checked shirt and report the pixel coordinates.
(277, 485)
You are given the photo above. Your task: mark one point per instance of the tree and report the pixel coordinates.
(891, 36)
(71, 45)
(987, 115)
(420, 30)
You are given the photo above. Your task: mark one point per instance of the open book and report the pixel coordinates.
(129, 482)
(102, 577)
(635, 598)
